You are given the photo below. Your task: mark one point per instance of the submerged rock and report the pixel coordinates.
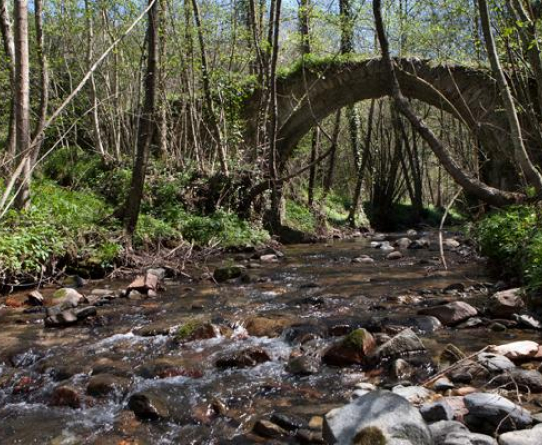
(222, 274)
(103, 385)
(243, 359)
(149, 406)
(303, 365)
(65, 395)
(376, 418)
(268, 325)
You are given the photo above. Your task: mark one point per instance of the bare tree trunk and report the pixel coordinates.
(22, 101)
(9, 50)
(93, 95)
(361, 170)
(328, 181)
(532, 175)
(276, 191)
(44, 81)
(315, 143)
(146, 125)
(470, 184)
(215, 127)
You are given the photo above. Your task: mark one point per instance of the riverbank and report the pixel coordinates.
(268, 353)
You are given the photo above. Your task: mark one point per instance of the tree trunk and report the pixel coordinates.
(470, 184)
(44, 81)
(22, 102)
(9, 50)
(146, 125)
(213, 121)
(531, 174)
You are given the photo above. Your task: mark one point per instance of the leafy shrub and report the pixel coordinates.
(300, 217)
(512, 241)
(225, 228)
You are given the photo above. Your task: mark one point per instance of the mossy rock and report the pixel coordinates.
(359, 339)
(371, 435)
(222, 274)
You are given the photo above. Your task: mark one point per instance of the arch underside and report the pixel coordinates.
(307, 97)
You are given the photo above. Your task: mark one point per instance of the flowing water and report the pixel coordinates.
(315, 288)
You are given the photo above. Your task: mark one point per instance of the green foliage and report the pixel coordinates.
(60, 224)
(512, 241)
(300, 217)
(223, 228)
(356, 339)
(186, 330)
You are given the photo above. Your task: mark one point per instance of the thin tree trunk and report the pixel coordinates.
(22, 101)
(328, 181)
(354, 209)
(470, 184)
(315, 143)
(146, 125)
(44, 81)
(9, 50)
(207, 92)
(531, 174)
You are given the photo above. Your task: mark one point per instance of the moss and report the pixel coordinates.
(357, 338)
(370, 436)
(186, 330)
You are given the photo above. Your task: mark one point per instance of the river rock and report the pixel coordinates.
(396, 255)
(404, 344)
(495, 363)
(301, 333)
(449, 432)
(288, 422)
(377, 417)
(269, 258)
(401, 370)
(436, 411)
(506, 303)
(66, 298)
(522, 379)
(491, 412)
(414, 394)
(268, 325)
(265, 428)
(103, 385)
(153, 329)
(518, 350)
(386, 246)
(364, 259)
(243, 359)
(65, 395)
(451, 243)
(35, 298)
(303, 365)
(222, 274)
(165, 367)
(528, 322)
(422, 243)
(148, 405)
(452, 313)
(403, 243)
(522, 437)
(147, 284)
(353, 349)
(467, 372)
(194, 330)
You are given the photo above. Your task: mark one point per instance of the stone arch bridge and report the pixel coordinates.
(306, 96)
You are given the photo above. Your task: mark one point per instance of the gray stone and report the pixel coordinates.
(506, 303)
(381, 412)
(495, 363)
(149, 406)
(522, 379)
(396, 255)
(414, 394)
(522, 437)
(404, 344)
(303, 365)
(403, 243)
(67, 297)
(491, 412)
(452, 313)
(433, 412)
(528, 322)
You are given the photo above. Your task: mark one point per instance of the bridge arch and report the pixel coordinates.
(310, 94)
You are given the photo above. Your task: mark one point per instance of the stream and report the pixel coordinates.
(204, 392)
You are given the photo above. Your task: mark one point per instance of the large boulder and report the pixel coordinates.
(490, 412)
(375, 418)
(506, 303)
(452, 313)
